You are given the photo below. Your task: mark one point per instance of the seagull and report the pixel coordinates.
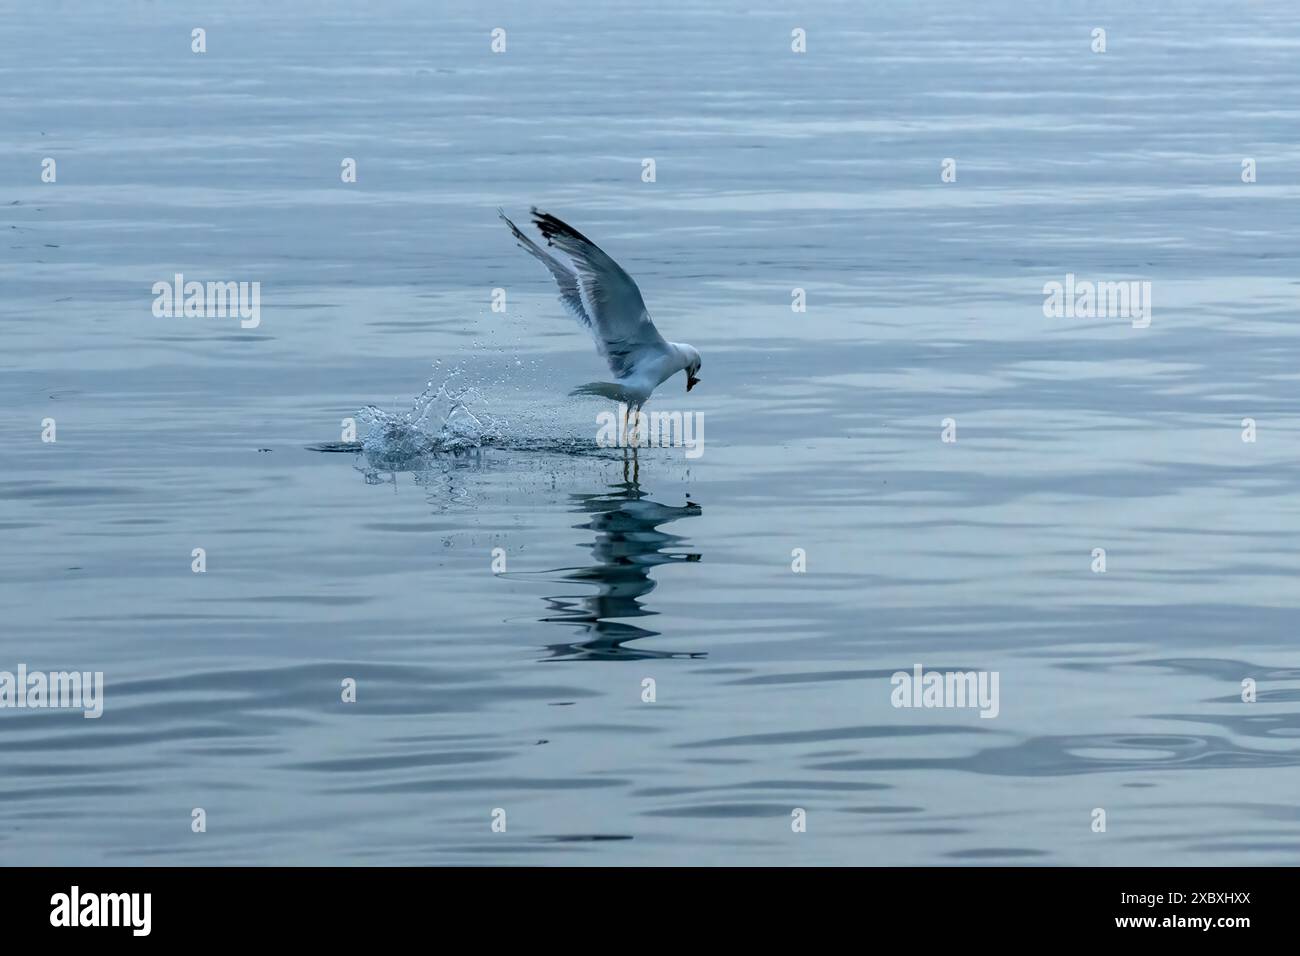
(605, 299)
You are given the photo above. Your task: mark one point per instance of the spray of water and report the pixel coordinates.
(447, 427)
(445, 419)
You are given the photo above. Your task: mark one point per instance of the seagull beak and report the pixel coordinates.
(691, 381)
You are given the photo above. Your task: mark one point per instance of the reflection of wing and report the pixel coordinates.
(598, 292)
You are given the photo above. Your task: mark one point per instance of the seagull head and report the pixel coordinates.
(691, 363)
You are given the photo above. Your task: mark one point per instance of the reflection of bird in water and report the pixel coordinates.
(628, 544)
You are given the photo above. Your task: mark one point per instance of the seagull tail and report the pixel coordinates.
(604, 389)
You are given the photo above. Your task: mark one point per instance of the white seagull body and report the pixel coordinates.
(605, 299)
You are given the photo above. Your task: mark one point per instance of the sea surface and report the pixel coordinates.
(504, 595)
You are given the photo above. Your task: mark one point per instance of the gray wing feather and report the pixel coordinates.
(570, 295)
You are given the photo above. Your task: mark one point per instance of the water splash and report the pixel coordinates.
(447, 428)
(444, 419)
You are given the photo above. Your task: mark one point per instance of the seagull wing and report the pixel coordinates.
(613, 309)
(570, 295)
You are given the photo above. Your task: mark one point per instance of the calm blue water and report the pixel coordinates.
(523, 691)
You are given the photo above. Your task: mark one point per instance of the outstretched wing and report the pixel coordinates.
(564, 278)
(612, 307)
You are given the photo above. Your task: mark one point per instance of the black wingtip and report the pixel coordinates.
(540, 220)
(551, 226)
